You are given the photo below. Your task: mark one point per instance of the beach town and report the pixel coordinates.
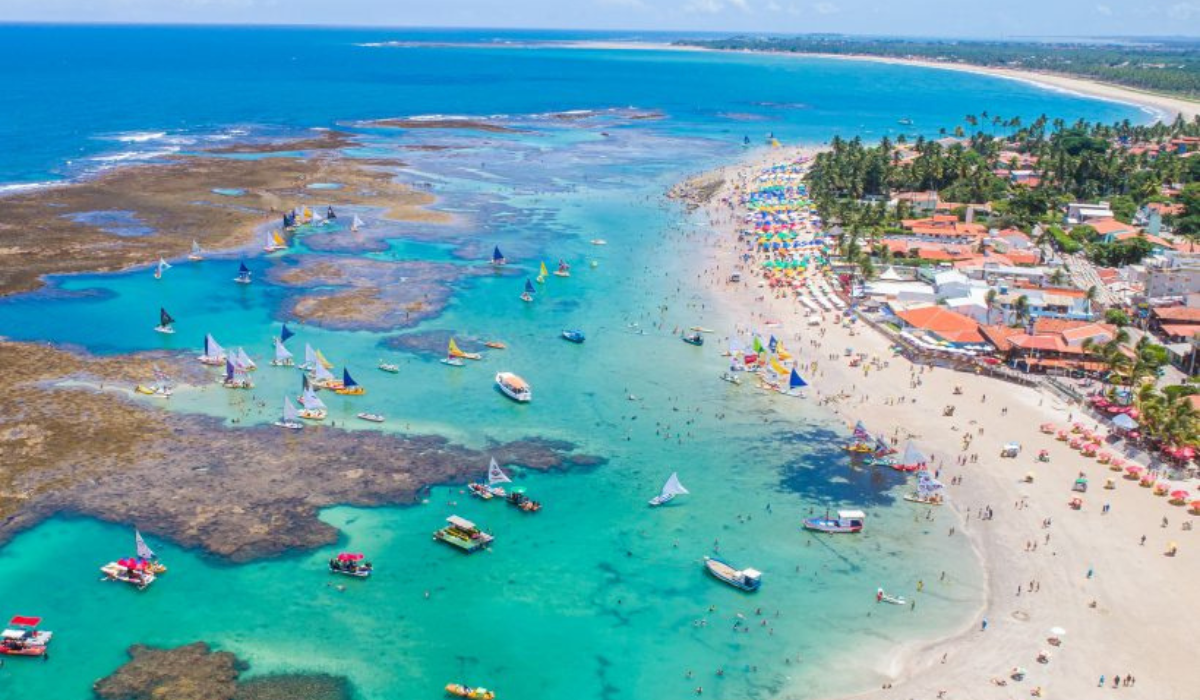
(329, 398)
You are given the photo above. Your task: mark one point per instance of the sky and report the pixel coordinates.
(946, 18)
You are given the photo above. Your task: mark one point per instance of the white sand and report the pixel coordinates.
(1144, 622)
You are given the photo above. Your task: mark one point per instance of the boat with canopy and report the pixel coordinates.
(164, 322)
(23, 638)
(351, 564)
(846, 522)
(670, 490)
(131, 570)
(463, 534)
(748, 580)
(514, 387)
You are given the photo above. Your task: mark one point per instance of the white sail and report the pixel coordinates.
(143, 550)
(243, 360)
(316, 218)
(927, 485)
(290, 414)
(195, 248)
(673, 488)
(357, 223)
(496, 475)
(163, 265)
(211, 348)
(282, 354)
(310, 356)
(321, 374)
(311, 401)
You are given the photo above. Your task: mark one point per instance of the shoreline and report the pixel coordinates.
(968, 660)
(1161, 105)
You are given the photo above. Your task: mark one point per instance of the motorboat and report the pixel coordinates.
(23, 638)
(575, 336)
(371, 417)
(743, 579)
(389, 367)
(135, 572)
(693, 339)
(463, 534)
(847, 521)
(523, 503)
(350, 564)
(882, 597)
(514, 387)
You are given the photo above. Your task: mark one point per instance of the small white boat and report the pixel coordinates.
(290, 418)
(731, 378)
(514, 387)
(115, 571)
(670, 490)
(881, 597)
(452, 361)
(195, 255)
(746, 579)
(598, 241)
(372, 417)
(389, 367)
(164, 322)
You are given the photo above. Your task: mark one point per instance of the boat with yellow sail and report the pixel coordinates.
(454, 351)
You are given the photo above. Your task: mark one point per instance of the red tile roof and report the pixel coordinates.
(945, 323)
(1177, 314)
(1183, 330)
(1110, 225)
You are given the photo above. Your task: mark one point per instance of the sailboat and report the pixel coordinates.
(912, 460)
(495, 477)
(285, 333)
(542, 274)
(324, 379)
(357, 223)
(161, 267)
(275, 242)
(322, 361)
(313, 407)
(213, 354)
(145, 553)
(795, 384)
(310, 358)
(498, 257)
(314, 219)
(929, 490)
(862, 440)
(453, 351)
(243, 360)
(290, 418)
(195, 255)
(527, 295)
(164, 322)
(670, 490)
(283, 356)
(236, 377)
(243, 276)
(564, 270)
(161, 388)
(349, 387)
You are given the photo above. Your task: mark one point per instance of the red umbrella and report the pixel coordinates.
(1179, 495)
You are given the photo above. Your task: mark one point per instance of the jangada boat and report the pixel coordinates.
(514, 387)
(743, 579)
(243, 276)
(313, 407)
(847, 521)
(517, 498)
(164, 322)
(371, 417)
(929, 490)
(283, 356)
(236, 376)
(290, 418)
(349, 387)
(350, 564)
(670, 490)
(575, 336)
(23, 638)
(527, 295)
(453, 351)
(214, 354)
(196, 254)
(495, 477)
(274, 242)
(147, 555)
(564, 270)
(464, 691)
(498, 257)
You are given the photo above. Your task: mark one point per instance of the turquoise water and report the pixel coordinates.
(597, 596)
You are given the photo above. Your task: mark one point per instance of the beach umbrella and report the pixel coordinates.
(1179, 495)
(1124, 422)
(1195, 506)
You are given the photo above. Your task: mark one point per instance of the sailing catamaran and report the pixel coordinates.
(313, 407)
(243, 276)
(349, 387)
(498, 257)
(161, 267)
(196, 253)
(213, 354)
(670, 490)
(527, 295)
(495, 477)
(283, 356)
(795, 384)
(862, 440)
(274, 242)
(290, 418)
(356, 224)
(164, 322)
(564, 270)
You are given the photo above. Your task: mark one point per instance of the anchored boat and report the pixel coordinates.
(929, 490)
(23, 638)
(527, 295)
(196, 254)
(564, 270)
(575, 336)
(214, 354)
(164, 322)
(350, 564)
(160, 268)
(349, 387)
(498, 257)
(744, 579)
(453, 350)
(243, 276)
(274, 242)
(135, 572)
(290, 418)
(312, 406)
(670, 490)
(693, 339)
(516, 497)
(847, 521)
(514, 387)
(492, 488)
(463, 534)
(463, 691)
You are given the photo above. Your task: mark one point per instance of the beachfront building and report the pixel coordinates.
(1178, 277)
(944, 228)
(1085, 213)
(937, 325)
(1175, 323)
(1040, 301)
(1051, 345)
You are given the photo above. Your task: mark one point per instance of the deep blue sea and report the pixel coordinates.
(597, 597)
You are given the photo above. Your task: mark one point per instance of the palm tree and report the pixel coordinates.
(990, 300)
(1021, 309)
(1090, 298)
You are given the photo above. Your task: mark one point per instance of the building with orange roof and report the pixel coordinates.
(1049, 351)
(945, 228)
(943, 324)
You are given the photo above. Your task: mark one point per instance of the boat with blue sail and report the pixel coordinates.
(498, 257)
(164, 322)
(349, 387)
(243, 276)
(527, 295)
(214, 354)
(846, 522)
(748, 580)
(236, 376)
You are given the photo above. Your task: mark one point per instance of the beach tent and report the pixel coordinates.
(890, 275)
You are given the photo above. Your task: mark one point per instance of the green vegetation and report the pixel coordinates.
(1164, 65)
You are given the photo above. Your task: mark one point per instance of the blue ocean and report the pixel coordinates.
(597, 596)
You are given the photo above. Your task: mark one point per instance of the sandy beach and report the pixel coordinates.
(1103, 577)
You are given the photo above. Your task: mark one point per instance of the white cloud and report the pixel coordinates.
(1183, 10)
(1104, 10)
(707, 7)
(825, 8)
